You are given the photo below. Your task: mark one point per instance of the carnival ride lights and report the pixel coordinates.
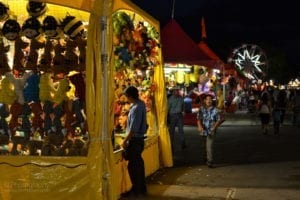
(250, 61)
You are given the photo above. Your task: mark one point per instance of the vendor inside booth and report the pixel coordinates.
(64, 66)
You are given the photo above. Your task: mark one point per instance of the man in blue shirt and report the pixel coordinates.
(134, 142)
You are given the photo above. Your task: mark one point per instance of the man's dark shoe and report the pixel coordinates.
(183, 146)
(131, 194)
(128, 194)
(210, 164)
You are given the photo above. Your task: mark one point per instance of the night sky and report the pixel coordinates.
(231, 23)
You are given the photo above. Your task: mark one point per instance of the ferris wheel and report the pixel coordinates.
(250, 61)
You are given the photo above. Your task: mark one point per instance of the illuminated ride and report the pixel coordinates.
(250, 61)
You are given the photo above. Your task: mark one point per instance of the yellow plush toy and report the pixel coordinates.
(46, 86)
(61, 92)
(7, 94)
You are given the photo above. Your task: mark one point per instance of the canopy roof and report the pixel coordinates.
(214, 61)
(205, 48)
(178, 47)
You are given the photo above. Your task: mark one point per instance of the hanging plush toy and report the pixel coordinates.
(51, 31)
(4, 11)
(71, 57)
(59, 58)
(51, 27)
(60, 94)
(26, 125)
(46, 57)
(31, 88)
(4, 113)
(37, 120)
(79, 82)
(81, 44)
(46, 94)
(36, 9)
(7, 93)
(72, 26)
(19, 84)
(10, 31)
(74, 29)
(78, 102)
(31, 29)
(14, 123)
(4, 67)
(46, 88)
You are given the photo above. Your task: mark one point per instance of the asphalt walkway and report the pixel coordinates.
(249, 165)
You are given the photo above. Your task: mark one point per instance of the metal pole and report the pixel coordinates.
(104, 63)
(173, 8)
(224, 92)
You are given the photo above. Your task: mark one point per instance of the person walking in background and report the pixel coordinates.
(175, 116)
(296, 108)
(282, 103)
(188, 103)
(134, 142)
(208, 120)
(265, 113)
(276, 115)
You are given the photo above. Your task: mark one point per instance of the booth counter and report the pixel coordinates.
(102, 174)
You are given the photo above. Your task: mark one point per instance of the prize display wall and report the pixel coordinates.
(47, 145)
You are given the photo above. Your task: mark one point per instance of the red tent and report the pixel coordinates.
(178, 47)
(214, 60)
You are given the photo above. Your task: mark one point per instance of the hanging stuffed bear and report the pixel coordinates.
(7, 93)
(59, 58)
(4, 66)
(4, 11)
(78, 103)
(19, 84)
(10, 30)
(81, 44)
(31, 29)
(73, 28)
(36, 9)
(52, 31)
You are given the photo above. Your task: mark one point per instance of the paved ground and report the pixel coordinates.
(249, 165)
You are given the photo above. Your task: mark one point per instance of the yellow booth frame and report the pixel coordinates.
(102, 174)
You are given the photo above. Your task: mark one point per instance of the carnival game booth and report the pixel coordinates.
(65, 144)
